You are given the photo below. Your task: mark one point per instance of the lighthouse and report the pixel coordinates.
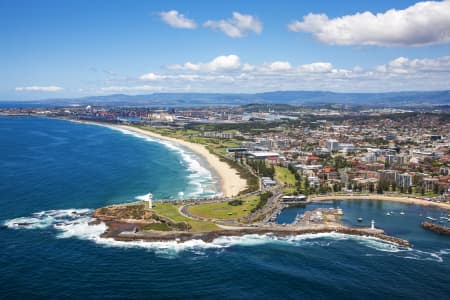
(149, 200)
(372, 224)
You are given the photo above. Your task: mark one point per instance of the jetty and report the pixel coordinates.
(436, 228)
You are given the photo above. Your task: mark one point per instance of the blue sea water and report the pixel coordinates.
(50, 169)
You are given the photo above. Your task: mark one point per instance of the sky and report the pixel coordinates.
(68, 49)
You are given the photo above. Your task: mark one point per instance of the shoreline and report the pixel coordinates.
(147, 225)
(231, 182)
(397, 198)
(208, 237)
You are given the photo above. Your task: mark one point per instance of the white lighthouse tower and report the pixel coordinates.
(149, 199)
(372, 224)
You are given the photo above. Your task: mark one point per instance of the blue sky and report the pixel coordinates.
(52, 49)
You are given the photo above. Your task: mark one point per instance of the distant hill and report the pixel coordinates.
(428, 98)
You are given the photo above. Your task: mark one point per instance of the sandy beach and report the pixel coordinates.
(393, 198)
(231, 182)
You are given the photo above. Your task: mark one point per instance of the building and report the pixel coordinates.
(294, 198)
(263, 155)
(404, 180)
(346, 147)
(267, 182)
(332, 145)
(389, 176)
(220, 135)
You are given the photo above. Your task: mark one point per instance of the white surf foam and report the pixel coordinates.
(142, 197)
(74, 223)
(201, 179)
(45, 219)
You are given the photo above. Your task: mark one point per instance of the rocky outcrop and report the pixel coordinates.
(436, 228)
(134, 222)
(209, 236)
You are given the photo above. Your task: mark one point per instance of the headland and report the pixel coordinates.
(131, 222)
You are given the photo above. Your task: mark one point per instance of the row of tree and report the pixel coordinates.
(261, 168)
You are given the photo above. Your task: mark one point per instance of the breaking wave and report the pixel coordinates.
(201, 179)
(74, 223)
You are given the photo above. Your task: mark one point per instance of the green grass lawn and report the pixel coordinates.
(171, 211)
(157, 226)
(223, 210)
(284, 175)
(217, 146)
(288, 190)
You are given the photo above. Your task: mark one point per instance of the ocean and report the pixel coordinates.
(54, 172)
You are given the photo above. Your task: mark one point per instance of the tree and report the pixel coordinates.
(306, 183)
(435, 189)
(335, 188)
(379, 189)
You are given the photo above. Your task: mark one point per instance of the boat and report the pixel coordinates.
(359, 219)
(402, 213)
(431, 219)
(388, 214)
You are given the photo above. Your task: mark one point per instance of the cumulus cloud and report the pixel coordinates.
(152, 77)
(317, 67)
(280, 66)
(228, 73)
(232, 63)
(220, 63)
(176, 20)
(424, 23)
(35, 88)
(403, 65)
(239, 25)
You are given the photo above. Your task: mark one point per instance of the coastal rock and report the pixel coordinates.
(436, 228)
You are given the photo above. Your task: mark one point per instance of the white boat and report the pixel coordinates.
(388, 214)
(431, 219)
(402, 213)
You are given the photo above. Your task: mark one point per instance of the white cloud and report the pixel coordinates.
(403, 65)
(424, 23)
(177, 20)
(230, 62)
(49, 88)
(280, 66)
(220, 63)
(229, 74)
(152, 77)
(237, 26)
(317, 67)
(140, 88)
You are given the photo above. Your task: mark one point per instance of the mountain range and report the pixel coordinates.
(307, 98)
